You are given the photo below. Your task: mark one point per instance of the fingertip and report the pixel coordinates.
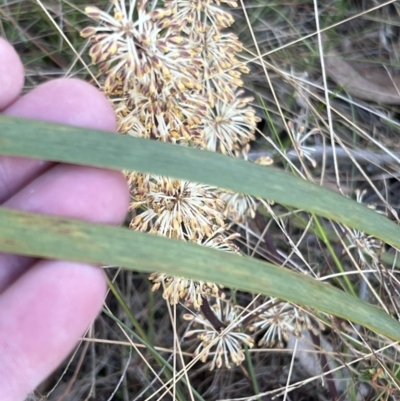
(67, 101)
(44, 313)
(11, 74)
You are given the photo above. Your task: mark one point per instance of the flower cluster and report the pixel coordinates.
(278, 320)
(175, 209)
(367, 247)
(193, 291)
(151, 72)
(173, 74)
(224, 344)
(229, 123)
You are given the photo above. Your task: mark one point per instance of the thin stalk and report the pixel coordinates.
(334, 256)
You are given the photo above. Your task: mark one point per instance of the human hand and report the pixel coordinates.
(45, 306)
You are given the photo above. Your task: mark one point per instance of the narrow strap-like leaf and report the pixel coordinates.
(96, 148)
(51, 237)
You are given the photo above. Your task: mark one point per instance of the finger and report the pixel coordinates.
(11, 74)
(43, 315)
(65, 101)
(84, 193)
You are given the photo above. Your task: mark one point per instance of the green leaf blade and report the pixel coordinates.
(101, 149)
(52, 237)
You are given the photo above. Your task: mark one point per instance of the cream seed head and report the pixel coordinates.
(229, 127)
(161, 113)
(278, 320)
(193, 291)
(238, 207)
(224, 347)
(180, 288)
(189, 11)
(361, 242)
(221, 70)
(130, 44)
(218, 240)
(300, 138)
(176, 209)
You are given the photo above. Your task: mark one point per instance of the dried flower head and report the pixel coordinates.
(163, 114)
(176, 209)
(229, 127)
(193, 291)
(221, 69)
(361, 242)
(299, 141)
(279, 319)
(133, 44)
(177, 288)
(224, 346)
(238, 206)
(221, 242)
(190, 11)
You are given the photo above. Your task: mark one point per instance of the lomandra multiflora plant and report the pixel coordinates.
(173, 74)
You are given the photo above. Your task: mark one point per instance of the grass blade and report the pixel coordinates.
(96, 148)
(51, 237)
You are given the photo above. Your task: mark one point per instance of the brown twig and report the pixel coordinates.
(210, 315)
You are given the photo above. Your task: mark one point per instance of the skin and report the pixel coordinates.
(46, 306)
